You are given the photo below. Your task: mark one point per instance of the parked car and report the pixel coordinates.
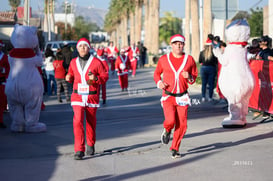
(165, 50)
(55, 45)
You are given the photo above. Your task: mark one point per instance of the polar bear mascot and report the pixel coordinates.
(236, 80)
(24, 87)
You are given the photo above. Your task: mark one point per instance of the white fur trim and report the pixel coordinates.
(157, 85)
(178, 38)
(74, 103)
(122, 73)
(83, 42)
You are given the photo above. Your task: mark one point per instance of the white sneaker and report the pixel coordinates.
(203, 99)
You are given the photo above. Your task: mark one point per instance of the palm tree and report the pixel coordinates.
(132, 27)
(195, 29)
(49, 22)
(207, 17)
(187, 27)
(14, 4)
(113, 19)
(138, 18)
(154, 21)
(169, 26)
(146, 22)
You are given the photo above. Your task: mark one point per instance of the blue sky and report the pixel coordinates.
(176, 6)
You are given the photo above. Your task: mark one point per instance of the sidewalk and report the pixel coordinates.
(128, 143)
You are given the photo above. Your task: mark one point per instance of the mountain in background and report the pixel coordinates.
(89, 14)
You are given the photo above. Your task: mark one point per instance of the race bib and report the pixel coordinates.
(183, 100)
(83, 89)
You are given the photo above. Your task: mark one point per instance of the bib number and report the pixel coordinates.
(83, 89)
(183, 100)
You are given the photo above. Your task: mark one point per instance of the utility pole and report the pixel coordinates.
(207, 20)
(26, 13)
(201, 9)
(65, 25)
(226, 9)
(49, 20)
(270, 18)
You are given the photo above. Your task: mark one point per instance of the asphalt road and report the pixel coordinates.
(128, 143)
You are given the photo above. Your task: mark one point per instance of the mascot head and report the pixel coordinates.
(238, 31)
(24, 37)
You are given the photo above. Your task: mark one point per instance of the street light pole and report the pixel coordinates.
(65, 25)
(226, 9)
(26, 13)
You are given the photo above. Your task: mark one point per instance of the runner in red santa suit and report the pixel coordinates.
(101, 57)
(112, 54)
(133, 54)
(178, 69)
(4, 72)
(87, 73)
(123, 66)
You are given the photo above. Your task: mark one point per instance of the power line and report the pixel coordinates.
(256, 4)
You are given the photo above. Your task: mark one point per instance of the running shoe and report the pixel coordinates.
(79, 155)
(175, 154)
(165, 137)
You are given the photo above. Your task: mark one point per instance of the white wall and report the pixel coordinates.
(60, 17)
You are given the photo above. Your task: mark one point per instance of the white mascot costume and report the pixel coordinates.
(236, 80)
(24, 87)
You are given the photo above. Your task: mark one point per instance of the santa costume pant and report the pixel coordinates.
(123, 81)
(134, 66)
(78, 126)
(112, 63)
(175, 117)
(3, 102)
(103, 91)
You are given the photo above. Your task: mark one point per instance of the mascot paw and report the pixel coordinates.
(228, 123)
(36, 128)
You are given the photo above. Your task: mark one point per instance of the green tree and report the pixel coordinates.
(169, 25)
(14, 4)
(241, 15)
(83, 28)
(256, 22)
(70, 32)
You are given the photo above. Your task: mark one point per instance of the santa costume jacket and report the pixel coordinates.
(176, 82)
(94, 66)
(122, 59)
(133, 53)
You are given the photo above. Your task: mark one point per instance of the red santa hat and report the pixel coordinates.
(122, 50)
(83, 41)
(208, 42)
(1, 43)
(177, 37)
(100, 52)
